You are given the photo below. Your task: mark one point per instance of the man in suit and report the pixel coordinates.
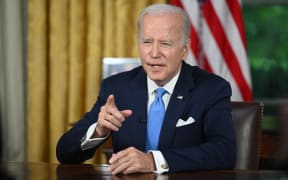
(196, 132)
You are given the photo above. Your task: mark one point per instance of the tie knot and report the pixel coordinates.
(160, 92)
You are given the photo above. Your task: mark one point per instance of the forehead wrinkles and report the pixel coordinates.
(162, 25)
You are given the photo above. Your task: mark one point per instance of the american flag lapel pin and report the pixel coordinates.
(179, 97)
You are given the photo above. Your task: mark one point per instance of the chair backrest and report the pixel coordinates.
(247, 117)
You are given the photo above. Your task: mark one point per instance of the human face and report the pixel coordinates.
(160, 47)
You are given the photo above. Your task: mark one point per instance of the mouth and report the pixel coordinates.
(156, 67)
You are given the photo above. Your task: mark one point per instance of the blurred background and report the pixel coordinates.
(51, 66)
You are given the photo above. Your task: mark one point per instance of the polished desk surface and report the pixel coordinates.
(44, 171)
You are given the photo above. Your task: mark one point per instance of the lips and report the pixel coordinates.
(156, 66)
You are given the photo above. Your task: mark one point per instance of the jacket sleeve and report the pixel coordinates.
(68, 148)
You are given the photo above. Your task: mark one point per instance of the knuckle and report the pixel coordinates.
(102, 109)
(131, 148)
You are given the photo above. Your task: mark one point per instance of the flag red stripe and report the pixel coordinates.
(235, 10)
(197, 49)
(206, 64)
(226, 50)
(244, 91)
(195, 43)
(193, 33)
(176, 3)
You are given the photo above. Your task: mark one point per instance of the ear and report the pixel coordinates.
(186, 48)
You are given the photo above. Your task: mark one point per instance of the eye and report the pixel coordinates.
(166, 43)
(147, 41)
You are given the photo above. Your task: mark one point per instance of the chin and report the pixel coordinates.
(158, 81)
(154, 77)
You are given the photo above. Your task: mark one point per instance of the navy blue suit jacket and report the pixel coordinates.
(208, 143)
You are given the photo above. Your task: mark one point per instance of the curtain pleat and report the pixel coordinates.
(94, 60)
(77, 64)
(67, 40)
(109, 48)
(58, 71)
(37, 81)
(123, 23)
(93, 73)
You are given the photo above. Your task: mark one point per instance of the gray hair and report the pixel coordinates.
(166, 9)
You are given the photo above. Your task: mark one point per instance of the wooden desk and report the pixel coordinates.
(43, 171)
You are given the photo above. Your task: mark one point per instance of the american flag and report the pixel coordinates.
(218, 42)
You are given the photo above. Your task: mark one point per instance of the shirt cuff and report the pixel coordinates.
(87, 142)
(160, 162)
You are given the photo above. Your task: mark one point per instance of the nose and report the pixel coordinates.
(155, 51)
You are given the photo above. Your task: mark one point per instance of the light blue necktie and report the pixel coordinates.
(155, 119)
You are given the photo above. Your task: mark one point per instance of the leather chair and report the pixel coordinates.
(247, 117)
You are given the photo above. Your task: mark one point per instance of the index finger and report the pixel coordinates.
(116, 157)
(111, 100)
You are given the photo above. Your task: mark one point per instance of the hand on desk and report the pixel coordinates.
(131, 160)
(110, 118)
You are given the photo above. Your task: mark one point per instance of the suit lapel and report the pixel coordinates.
(177, 104)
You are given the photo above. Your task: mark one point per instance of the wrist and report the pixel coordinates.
(161, 166)
(153, 165)
(99, 133)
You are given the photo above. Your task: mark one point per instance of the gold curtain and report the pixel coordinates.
(67, 40)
